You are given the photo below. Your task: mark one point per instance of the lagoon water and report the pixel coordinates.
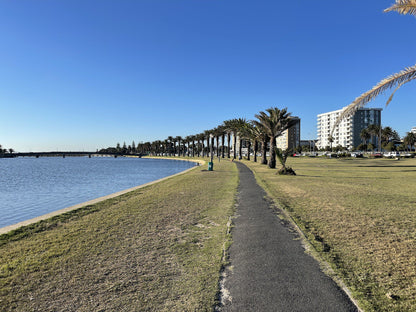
(31, 187)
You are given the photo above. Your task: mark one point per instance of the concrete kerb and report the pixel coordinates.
(12, 227)
(326, 267)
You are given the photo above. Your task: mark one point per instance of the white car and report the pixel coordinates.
(391, 154)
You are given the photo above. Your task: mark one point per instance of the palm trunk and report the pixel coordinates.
(223, 146)
(248, 150)
(264, 152)
(256, 146)
(193, 148)
(235, 146)
(228, 142)
(208, 146)
(272, 161)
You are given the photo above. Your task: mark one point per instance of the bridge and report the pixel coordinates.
(69, 154)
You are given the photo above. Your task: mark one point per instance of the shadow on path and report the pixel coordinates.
(270, 270)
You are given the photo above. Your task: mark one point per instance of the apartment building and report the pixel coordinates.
(347, 133)
(290, 138)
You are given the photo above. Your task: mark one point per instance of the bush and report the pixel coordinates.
(286, 171)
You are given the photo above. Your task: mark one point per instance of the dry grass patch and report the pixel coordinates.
(155, 249)
(360, 215)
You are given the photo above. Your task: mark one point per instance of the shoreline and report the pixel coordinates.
(8, 228)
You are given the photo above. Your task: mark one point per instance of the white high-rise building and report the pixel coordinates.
(413, 130)
(347, 134)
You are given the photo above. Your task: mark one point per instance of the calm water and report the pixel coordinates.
(31, 187)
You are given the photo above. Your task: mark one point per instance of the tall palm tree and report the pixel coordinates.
(410, 140)
(236, 126)
(248, 135)
(193, 138)
(396, 80)
(229, 129)
(263, 138)
(365, 136)
(207, 134)
(171, 144)
(178, 139)
(331, 140)
(187, 141)
(387, 134)
(375, 131)
(274, 121)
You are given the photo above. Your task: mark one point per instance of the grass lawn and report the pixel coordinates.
(360, 214)
(158, 248)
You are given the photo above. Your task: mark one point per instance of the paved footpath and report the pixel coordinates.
(270, 269)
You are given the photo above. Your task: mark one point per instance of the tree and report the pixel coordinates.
(395, 80)
(282, 157)
(207, 134)
(236, 126)
(331, 140)
(375, 131)
(387, 134)
(365, 136)
(274, 121)
(410, 140)
(178, 139)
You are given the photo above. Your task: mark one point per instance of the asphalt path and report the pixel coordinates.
(270, 270)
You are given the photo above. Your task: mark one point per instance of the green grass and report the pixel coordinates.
(360, 215)
(158, 248)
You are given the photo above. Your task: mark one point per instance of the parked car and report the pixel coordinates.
(357, 154)
(391, 154)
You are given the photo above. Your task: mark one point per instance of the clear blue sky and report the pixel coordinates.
(83, 74)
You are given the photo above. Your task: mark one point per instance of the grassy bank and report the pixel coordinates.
(360, 215)
(155, 249)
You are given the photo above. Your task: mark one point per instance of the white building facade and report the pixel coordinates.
(347, 133)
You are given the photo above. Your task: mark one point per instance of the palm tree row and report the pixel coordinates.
(262, 131)
(383, 135)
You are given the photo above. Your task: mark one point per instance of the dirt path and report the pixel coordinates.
(270, 270)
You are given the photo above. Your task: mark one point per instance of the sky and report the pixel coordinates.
(82, 75)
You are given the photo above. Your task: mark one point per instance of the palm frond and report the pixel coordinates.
(399, 79)
(397, 88)
(403, 7)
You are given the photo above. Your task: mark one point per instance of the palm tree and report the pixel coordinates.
(282, 156)
(395, 80)
(387, 134)
(274, 121)
(170, 145)
(255, 134)
(187, 141)
(365, 136)
(207, 134)
(179, 139)
(375, 131)
(193, 138)
(331, 140)
(236, 125)
(229, 129)
(216, 132)
(410, 140)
